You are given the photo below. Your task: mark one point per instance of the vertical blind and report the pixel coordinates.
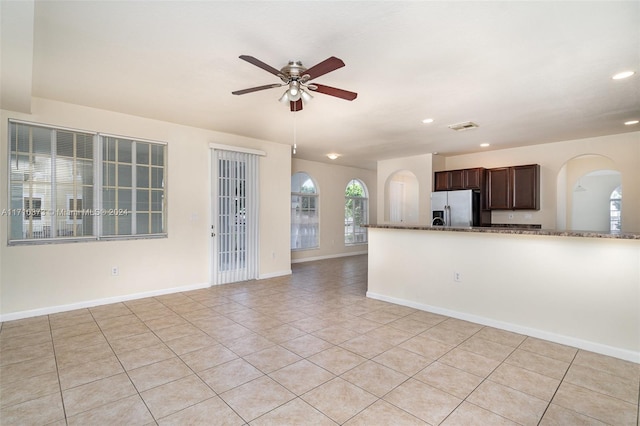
(236, 209)
(51, 182)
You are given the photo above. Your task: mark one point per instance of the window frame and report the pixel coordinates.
(615, 215)
(363, 199)
(97, 229)
(316, 197)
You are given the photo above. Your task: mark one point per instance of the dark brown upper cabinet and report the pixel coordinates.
(457, 179)
(452, 180)
(499, 188)
(526, 187)
(473, 178)
(442, 181)
(514, 188)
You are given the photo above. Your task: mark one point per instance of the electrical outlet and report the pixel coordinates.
(457, 277)
(115, 271)
(510, 216)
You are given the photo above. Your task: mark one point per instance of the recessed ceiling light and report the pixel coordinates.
(631, 122)
(332, 156)
(623, 74)
(484, 145)
(427, 120)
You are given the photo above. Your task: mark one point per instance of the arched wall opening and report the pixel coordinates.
(584, 187)
(401, 197)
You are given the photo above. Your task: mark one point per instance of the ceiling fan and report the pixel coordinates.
(297, 78)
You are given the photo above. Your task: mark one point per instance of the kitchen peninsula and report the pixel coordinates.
(576, 288)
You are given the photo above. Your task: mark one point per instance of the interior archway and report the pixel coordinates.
(401, 195)
(584, 187)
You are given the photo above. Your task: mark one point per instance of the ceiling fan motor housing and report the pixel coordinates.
(294, 70)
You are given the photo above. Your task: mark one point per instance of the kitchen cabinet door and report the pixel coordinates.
(442, 181)
(525, 183)
(499, 188)
(473, 178)
(457, 180)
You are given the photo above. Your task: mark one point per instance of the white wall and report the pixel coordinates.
(332, 181)
(45, 278)
(583, 292)
(622, 149)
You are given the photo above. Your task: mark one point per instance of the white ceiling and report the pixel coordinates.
(526, 72)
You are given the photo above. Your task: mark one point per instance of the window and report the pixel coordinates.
(356, 213)
(48, 167)
(615, 209)
(74, 207)
(32, 208)
(133, 182)
(68, 185)
(304, 212)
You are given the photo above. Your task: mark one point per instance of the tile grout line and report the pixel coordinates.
(558, 388)
(55, 360)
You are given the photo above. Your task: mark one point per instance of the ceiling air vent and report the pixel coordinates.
(463, 126)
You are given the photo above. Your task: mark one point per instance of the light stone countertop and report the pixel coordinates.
(512, 230)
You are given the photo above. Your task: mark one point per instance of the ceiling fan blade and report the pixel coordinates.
(296, 105)
(258, 63)
(255, 89)
(328, 65)
(332, 91)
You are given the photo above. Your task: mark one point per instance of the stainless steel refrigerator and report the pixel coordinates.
(455, 208)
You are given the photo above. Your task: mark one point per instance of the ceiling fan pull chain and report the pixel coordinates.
(295, 133)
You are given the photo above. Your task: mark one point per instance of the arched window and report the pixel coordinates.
(304, 212)
(615, 204)
(356, 212)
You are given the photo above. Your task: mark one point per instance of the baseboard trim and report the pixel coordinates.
(274, 274)
(624, 354)
(328, 256)
(98, 302)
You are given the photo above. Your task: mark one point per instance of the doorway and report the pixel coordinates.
(234, 206)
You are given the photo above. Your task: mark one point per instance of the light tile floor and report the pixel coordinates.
(299, 350)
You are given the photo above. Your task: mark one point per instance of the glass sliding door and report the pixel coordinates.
(235, 216)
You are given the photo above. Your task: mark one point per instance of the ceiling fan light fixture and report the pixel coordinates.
(284, 98)
(306, 96)
(294, 91)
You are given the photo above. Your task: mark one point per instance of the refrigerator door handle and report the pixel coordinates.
(447, 215)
